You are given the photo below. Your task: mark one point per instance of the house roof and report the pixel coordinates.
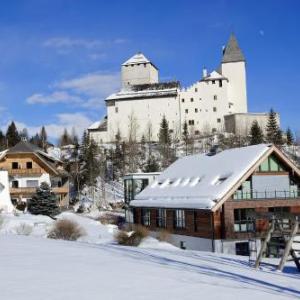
(25, 147)
(138, 58)
(232, 51)
(200, 181)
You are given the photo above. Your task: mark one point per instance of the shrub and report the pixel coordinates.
(112, 219)
(65, 229)
(132, 239)
(164, 236)
(24, 229)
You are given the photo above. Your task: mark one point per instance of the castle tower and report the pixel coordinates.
(234, 68)
(138, 70)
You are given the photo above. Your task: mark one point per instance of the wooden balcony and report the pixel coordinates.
(34, 171)
(31, 190)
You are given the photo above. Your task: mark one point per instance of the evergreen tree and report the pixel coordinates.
(151, 165)
(43, 202)
(256, 134)
(3, 144)
(274, 134)
(289, 137)
(185, 136)
(12, 135)
(36, 140)
(165, 142)
(118, 158)
(65, 139)
(43, 139)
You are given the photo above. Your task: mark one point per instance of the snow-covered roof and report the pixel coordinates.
(95, 125)
(129, 94)
(138, 58)
(200, 181)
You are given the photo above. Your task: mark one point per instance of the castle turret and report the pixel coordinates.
(234, 68)
(138, 70)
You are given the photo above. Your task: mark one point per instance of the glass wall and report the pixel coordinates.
(133, 187)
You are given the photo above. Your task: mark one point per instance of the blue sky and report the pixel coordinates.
(60, 58)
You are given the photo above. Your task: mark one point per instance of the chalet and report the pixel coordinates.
(219, 201)
(28, 166)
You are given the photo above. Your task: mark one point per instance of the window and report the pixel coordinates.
(15, 165)
(145, 65)
(271, 164)
(213, 81)
(192, 99)
(191, 122)
(220, 83)
(171, 131)
(32, 183)
(214, 109)
(182, 100)
(196, 90)
(242, 248)
(196, 110)
(243, 220)
(116, 110)
(15, 184)
(218, 120)
(145, 217)
(197, 132)
(161, 217)
(215, 97)
(214, 130)
(29, 165)
(179, 219)
(186, 111)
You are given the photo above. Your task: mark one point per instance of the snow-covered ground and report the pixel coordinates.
(34, 267)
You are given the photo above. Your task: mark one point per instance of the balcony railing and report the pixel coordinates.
(31, 190)
(252, 195)
(25, 171)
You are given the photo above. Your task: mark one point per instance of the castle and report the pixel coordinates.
(215, 103)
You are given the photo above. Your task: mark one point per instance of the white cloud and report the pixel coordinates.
(78, 121)
(55, 97)
(87, 91)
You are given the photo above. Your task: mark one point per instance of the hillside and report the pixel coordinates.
(34, 268)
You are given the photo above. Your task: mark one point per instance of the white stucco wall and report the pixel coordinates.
(23, 180)
(5, 201)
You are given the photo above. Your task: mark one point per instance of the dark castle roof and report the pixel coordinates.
(232, 51)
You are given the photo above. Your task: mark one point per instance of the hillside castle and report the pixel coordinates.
(215, 103)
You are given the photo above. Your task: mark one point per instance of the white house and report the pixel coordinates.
(137, 109)
(5, 201)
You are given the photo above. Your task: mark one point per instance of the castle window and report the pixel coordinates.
(192, 99)
(29, 165)
(186, 111)
(182, 100)
(171, 131)
(15, 165)
(213, 81)
(214, 109)
(215, 97)
(196, 90)
(219, 120)
(191, 122)
(213, 130)
(197, 132)
(220, 83)
(116, 110)
(196, 110)
(144, 65)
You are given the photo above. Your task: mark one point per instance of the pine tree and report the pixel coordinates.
(289, 137)
(151, 165)
(117, 157)
(165, 142)
(256, 134)
(43, 202)
(185, 136)
(274, 134)
(3, 143)
(36, 140)
(65, 139)
(12, 135)
(43, 139)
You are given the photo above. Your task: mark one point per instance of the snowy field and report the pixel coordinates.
(34, 268)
